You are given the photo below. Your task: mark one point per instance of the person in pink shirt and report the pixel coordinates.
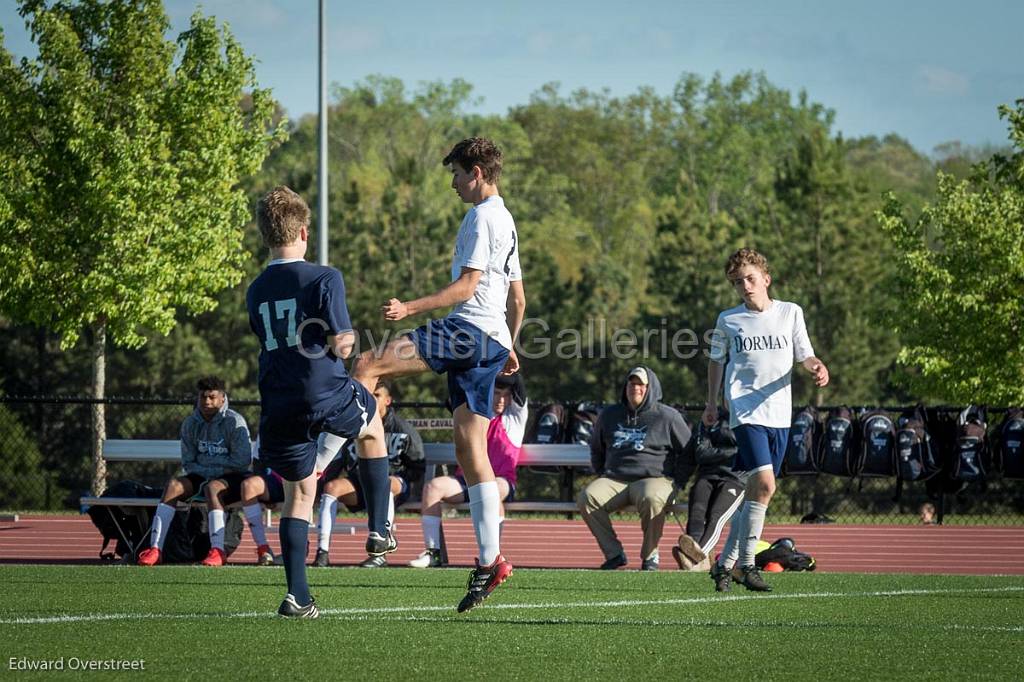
(504, 445)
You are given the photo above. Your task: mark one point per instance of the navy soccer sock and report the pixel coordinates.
(294, 541)
(373, 477)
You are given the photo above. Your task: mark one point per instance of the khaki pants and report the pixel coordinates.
(606, 495)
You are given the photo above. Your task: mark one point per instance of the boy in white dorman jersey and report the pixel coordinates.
(755, 345)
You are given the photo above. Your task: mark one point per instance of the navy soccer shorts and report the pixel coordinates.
(759, 448)
(288, 440)
(471, 358)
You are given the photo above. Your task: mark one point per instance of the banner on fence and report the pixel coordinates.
(439, 423)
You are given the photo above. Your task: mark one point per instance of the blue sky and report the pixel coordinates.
(929, 71)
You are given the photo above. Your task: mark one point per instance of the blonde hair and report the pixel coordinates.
(281, 215)
(743, 257)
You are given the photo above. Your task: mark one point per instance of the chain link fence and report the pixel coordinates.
(46, 465)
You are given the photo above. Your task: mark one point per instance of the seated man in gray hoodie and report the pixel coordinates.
(216, 454)
(634, 451)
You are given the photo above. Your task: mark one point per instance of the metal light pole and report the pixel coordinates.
(321, 237)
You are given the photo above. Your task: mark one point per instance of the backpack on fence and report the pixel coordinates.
(915, 456)
(971, 445)
(802, 445)
(550, 424)
(878, 445)
(133, 521)
(1008, 455)
(837, 453)
(582, 423)
(784, 552)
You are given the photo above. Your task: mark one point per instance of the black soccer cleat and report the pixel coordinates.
(322, 560)
(378, 561)
(290, 608)
(722, 577)
(379, 546)
(750, 577)
(483, 580)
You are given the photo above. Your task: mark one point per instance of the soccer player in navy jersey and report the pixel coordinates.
(298, 312)
(472, 345)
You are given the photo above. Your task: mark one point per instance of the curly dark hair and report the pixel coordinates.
(210, 383)
(477, 151)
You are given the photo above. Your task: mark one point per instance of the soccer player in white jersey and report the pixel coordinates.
(755, 346)
(472, 345)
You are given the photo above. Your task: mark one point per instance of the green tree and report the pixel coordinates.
(960, 274)
(121, 155)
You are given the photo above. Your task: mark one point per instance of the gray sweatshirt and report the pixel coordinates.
(628, 444)
(216, 447)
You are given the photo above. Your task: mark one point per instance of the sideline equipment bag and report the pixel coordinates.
(878, 444)
(802, 445)
(582, 422)
(915, 457)
(133, 521)
(550, 424)
(1007, 454)
(837, 455)
(784, 552)
(971, 445)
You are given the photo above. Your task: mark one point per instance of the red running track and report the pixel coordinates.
(975, 550)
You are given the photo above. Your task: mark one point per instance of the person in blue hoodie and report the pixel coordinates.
(215, 450)
(634, 450)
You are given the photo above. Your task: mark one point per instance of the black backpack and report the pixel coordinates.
(550, 424)
(1008, 455)
(802, 444)
(188, 538)
(784, 552)
(971, 445)
(582, 423)
(133, 522)
(837, 454)
(878, 445)
(915, 457)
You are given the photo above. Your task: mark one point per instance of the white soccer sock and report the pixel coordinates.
(484, 508)
(216, 522)
(161, 524)
(754, 527)
(431, 531)
(328, 510)
(254, 515)
(501, 526)
(391, 511)
(737, 532)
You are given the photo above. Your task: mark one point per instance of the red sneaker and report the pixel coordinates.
(149, 557)
(215, 557)
(264, 556)
(483, 580)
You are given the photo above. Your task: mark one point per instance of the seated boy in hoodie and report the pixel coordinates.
(634, 451)
(215, 454)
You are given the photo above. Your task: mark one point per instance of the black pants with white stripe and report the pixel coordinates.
(713, 501)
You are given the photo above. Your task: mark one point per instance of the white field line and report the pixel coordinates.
(370, 612)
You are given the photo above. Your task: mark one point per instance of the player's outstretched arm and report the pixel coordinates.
(342, 344)
(818, 369)
(459, 291)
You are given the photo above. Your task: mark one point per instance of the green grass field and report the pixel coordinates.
(542, 624)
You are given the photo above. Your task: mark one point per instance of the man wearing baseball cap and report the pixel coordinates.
(634, 451)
